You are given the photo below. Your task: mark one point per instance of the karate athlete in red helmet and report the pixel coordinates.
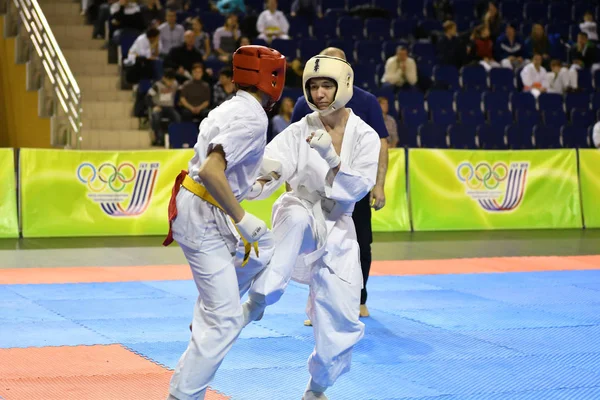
(224, 245)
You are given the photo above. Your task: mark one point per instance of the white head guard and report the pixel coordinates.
(333, 68)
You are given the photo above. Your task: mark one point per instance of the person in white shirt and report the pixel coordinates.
(589, 26)
(534, 77)
(272, 23)
(400, 70)
(146, 45)
(596, 135)
(216, 235)
(329, 158)
(171, 33)
(557, 80)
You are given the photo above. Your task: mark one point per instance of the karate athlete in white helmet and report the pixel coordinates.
(329, 158)
(206, 219)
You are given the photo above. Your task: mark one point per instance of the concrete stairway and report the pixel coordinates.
(107, 120)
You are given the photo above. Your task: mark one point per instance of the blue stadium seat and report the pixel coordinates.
(438, 99)
(403, 28)
(292, 93)
(350, 28)
(424, 50)
(337, 4)
(584, 80)
(443, 116)
(260, 42)
(378, 28)
(286, 47)
(411, 8)
(535, 12)
(527, 118)
(511, 10)
(560, 28)
(500, 117)
(413, 117)
(298, 27)
(429, 26)
(597, 80)
(337, 12)
(559, 11)
(575, 136)
(574, 31)
(446, 76)
(310, 48)
(467, 101)
(473, 78)
(411, 100)
(326, 27)
(519, 137)
(473, 117)
(183, 135)
(364, 75)
(596, 101)
(433, 136)
(463, 10)
(582, 117)
(462, 136)
(502, 80)
(391, 6)
(211, 21)
(547, 137)
(522, 101)
(577, 100)
(495, 101)
(525, 28)
(554, 118)
(550, 102)
(491, 137)
(368, 51)
(125, 42)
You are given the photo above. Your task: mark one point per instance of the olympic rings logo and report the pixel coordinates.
(483, 174)
(97, 179)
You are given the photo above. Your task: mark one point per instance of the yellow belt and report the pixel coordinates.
(201, 192)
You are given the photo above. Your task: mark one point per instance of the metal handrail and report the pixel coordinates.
(58, 71)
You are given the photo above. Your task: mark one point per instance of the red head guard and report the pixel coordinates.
(261, 67)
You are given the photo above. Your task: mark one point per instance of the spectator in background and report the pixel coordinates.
(596, 135)
(195, 96)
(442, 10)
(583, 54)
(201, 38)
(483, 48)
(272, 23)
(178, 5)
(293, 73)
(589, 26)
(244, 41)
(282, 120)
(141, 62)
(534, 76)
(557, 78)
(538, 43)
(104, 13)
(450, 49)
(400, 70)
(225, 38)
(390, 122)
(171, 33)
(225, 88)
(509, 49)
(162, 101)
(182, 58)
(308, 9)
(492, 20)
(153, 13)
(126, 17)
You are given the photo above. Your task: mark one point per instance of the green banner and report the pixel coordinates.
(9, 225)
(469, 190)
(97, 193)
(589, 172)
(394, 216)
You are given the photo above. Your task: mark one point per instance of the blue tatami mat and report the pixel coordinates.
(509, 336)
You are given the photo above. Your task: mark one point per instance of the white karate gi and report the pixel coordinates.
(531, 76)
(315, 240)
(272, 23)
(212, 245)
